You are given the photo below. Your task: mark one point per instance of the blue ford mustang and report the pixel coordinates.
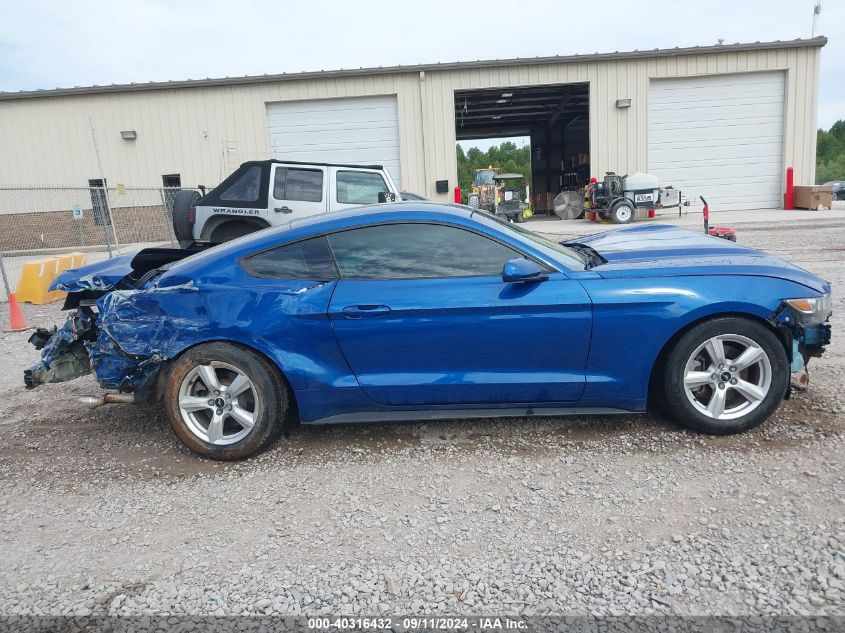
(418, 311)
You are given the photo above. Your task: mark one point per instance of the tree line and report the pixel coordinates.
(830, 153)
(504, 158)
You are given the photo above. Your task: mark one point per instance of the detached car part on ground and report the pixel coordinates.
(417, 311)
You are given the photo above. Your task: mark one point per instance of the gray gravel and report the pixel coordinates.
(104, 513)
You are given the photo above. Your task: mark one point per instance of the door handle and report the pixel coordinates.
(283, 210)
(359, 311)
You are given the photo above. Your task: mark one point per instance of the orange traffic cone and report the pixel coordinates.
(17, 322)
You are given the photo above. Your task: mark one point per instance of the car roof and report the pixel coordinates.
(272, 161)
(415, 210)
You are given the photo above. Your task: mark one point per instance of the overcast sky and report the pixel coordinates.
(48, 44)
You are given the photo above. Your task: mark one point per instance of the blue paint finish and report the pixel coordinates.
(283, 319)
(102, 275)
(366, 348)
(465, 341)
(633, 318)
(659, 250)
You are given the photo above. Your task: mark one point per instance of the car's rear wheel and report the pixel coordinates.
(224, 401)
(183, 226)
(725, 376)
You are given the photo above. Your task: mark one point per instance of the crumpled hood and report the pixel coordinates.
(103, 275)
(665, 250)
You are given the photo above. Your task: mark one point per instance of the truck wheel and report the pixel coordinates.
(183, 227)
(225, 402)
(622, 212)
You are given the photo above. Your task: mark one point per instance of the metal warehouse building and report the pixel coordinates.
(722, 120)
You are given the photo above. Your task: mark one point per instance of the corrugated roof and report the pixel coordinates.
(384, 70)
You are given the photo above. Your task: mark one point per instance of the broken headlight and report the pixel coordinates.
(812, 311)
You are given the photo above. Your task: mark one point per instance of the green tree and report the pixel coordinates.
(830, 153)
(506, 157)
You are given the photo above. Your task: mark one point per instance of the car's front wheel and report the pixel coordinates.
(224, 401)
(725, 376)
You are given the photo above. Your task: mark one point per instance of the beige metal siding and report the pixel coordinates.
(203, 132)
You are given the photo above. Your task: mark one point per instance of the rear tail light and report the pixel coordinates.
(192, 214)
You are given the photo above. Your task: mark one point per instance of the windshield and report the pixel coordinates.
(570, 257)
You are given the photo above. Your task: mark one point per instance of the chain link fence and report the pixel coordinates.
(38, 222)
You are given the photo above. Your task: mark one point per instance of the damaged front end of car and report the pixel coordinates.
(99, 296)
(804, 327)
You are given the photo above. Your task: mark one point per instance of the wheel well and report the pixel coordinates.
(294, 407)
(655, 376)
(223, 228)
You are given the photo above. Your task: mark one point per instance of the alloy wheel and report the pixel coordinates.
(727, 376)
(218, 403)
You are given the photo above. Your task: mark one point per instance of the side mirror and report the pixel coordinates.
(387, 196)
(521, 269)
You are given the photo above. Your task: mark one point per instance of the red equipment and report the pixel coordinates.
(717, 231)
(789, 197)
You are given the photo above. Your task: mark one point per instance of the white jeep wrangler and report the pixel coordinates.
(265, 193)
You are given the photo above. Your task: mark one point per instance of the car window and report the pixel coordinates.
(309, 259)
(359, 187)
(245, 188)
(568, 256)
(408, 251)
(298, 184)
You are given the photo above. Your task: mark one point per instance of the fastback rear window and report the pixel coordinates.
(308, 259)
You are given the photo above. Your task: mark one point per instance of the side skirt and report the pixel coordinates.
(425, 415)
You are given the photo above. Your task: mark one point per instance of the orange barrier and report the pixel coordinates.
(37, 276)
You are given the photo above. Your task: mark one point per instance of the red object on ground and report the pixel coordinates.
(458, 195)
(17, 321)
(724, 232)
(789, 196)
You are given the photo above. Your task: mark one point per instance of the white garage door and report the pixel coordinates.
(357, 131)
(719, 136)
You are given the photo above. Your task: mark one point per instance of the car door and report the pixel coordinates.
(423, 317)
(352, 187)
(297, 192)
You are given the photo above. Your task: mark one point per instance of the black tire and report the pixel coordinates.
(270, 402)
(183, 227)
(518, 218)
(622, 212)
(682, 409)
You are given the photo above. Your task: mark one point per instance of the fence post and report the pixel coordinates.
(5, 278)
(167, 217)
(110, 217)
(105, 220)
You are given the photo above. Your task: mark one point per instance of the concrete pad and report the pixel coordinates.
(691, 217)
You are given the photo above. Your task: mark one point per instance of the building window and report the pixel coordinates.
(99, 201)
(171, 180)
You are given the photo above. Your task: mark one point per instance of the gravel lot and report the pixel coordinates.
(105, 513)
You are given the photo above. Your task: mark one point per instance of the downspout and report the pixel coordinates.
(424, 127)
